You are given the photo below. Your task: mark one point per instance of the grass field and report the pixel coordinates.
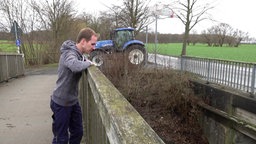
(8, 46)
(245, 52)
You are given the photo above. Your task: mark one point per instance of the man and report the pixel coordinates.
(67, 116)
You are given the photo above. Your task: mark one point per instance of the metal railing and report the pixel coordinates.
(238, 75)
(11, 66)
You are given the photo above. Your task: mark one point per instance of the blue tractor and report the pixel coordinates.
(122, 41)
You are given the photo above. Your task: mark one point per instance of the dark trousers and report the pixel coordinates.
(67, 124)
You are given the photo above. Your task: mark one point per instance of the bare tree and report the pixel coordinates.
(113, 14)
(223, 33)
(222, 30)
(190, 12)
(107, 24)
(133, 13)
(9, 13)
(208, 36)
(239, 36)
(57, 17)
(19, 12)
(14, 10)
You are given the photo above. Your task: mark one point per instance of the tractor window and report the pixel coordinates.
(122, 37)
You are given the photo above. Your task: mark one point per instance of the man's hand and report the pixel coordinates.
(92, 63)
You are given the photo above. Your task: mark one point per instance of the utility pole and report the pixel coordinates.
(160, 10)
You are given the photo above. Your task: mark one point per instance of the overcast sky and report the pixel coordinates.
(239, 14)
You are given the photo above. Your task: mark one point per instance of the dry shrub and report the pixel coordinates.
(164, 97)
(113, 67)
(150, 86)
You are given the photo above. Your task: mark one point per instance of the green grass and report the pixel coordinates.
(8, 46)
(245, 52)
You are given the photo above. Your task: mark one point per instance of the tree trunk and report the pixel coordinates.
(184, 45)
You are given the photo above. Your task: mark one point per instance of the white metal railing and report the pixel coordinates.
(238, 75)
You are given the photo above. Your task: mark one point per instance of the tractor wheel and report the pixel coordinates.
(136, 55)
(97, 57)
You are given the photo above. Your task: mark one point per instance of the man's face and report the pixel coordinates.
(90, 45)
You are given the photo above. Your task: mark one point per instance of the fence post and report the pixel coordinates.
(208, 71)
(181, 63)
(7, 67)
(16, 63)
(253, 79)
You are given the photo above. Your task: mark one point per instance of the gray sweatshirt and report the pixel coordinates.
(71, 65)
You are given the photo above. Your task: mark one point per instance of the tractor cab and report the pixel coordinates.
(120, 36)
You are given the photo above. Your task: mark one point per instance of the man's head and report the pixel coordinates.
(86, 40)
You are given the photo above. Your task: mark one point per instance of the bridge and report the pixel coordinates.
(25, 115)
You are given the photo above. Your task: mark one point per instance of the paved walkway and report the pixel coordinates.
(25, 115)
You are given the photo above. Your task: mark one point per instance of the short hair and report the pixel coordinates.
(86, 33)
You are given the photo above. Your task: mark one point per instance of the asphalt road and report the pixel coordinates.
(25, 115)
